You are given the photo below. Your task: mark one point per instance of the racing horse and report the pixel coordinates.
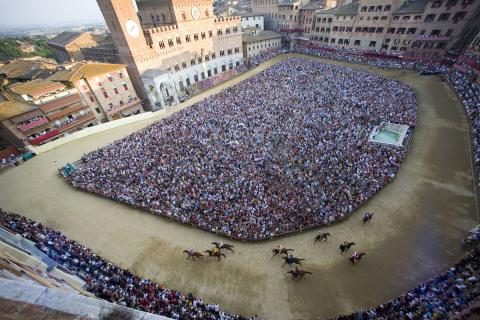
(356, 257)
(193, 254)
(298, 274)
(280, 250)
(367, 217)
(216, 254)
(345, 246)
(292, 260)
(220, 245)
(321, 236)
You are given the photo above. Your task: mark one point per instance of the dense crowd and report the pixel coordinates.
(469, 93)
(358, 57)
(439, 298)
(284, 150)
(108, 281)
(215, 80)
(265, 55)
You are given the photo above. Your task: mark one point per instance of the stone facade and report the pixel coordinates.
(67, 45)
(253, 20)
(108, 91)
(416, 28)
(256, 40)
(179, 37)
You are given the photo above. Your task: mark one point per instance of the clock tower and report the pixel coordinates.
(128, 38)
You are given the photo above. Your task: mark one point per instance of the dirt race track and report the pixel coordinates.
(420, 219)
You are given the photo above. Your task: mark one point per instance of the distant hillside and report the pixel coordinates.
(10, 47)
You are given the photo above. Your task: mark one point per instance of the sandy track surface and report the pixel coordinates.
(419, 221)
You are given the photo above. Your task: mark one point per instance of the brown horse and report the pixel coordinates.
(221, 245)
(216, 254)
(321, 236)
(291, 260)
(345, 246)
(298, 274)
(193, 254)
(277, 251)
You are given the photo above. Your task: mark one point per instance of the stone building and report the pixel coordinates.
(105, 88)
(41, 111)
(255, 41)
(168, 45)
(290, 17)
(252, 20)
(67, 45)
(414, 28)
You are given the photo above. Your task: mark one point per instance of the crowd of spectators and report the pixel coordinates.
(469, 93)
(110, 282)
(442, 297)
(265, 55)
(214, 81)
(359, 57)
(282, 151)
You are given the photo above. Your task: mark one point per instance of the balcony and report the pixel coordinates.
(33, 124)
(67, 111)
(79, 121)
(432, 38)
(119, 108)
(46, 136)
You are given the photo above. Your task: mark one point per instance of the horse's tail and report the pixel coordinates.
(308, 272)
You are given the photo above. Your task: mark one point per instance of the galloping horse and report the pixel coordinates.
(216, 254)
(356, 257)
(221, 245)
(367, 217)
(291, 260)
(345, 246)
(282, 250)
(298, 274)
(321, 236)
(193, 254)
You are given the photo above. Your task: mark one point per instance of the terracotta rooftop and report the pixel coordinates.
(94, 69)
(27, 69)
(64, 75)
(260, 36)
(36, 88)
(64, 38)
(10, 109)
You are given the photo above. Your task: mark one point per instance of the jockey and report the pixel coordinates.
(280, 247)
(220, 244)
(296, 271)
(215, 250)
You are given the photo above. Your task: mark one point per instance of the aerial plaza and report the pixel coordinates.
(422, 207)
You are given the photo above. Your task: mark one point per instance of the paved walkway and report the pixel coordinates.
(420, 219)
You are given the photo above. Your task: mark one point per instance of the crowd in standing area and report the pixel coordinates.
(215, 80)
(469, 93)
(442, 297)
(110, 282)
(282, 151)
(358, 57)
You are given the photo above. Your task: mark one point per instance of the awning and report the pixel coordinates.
(46, 136)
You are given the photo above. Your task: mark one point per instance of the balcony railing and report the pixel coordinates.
(33, 124)
(79, 121)
(432, 38)
(119, 108)
(44, 137)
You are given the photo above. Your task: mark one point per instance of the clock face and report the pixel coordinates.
(195, 13)
(132, 28)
